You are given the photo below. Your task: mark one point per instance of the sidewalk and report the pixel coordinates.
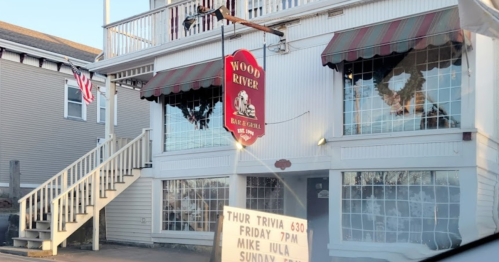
(119, 253)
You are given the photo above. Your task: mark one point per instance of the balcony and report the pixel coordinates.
(164, 25)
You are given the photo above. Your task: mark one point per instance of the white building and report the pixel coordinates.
(407, 105)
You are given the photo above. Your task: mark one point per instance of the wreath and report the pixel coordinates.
(194, 116)
(395, 99)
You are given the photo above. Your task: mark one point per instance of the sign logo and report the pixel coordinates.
(244, 97)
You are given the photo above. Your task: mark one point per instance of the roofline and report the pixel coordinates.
(20, 48)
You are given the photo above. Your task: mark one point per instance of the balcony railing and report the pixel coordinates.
(164, 25)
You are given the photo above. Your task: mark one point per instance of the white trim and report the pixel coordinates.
(13, 46)
(72, 83)
(99, 95)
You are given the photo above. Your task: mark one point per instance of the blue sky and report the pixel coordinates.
(76, 20)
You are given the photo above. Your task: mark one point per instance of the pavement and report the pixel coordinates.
(114, 253)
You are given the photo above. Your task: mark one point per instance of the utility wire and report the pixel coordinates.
(287, 120)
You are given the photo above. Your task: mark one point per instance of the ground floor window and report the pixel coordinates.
(265, 194)
(193, 204)
(402, 207)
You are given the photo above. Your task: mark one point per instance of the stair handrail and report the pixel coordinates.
(96, 149)
(48, 190)
(138, 146)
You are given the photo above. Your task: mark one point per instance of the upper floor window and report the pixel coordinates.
(101, 107)
(194, 119)
(74, 106)
(416, 90)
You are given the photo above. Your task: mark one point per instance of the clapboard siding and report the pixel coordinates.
(33, 128)
(486, 202)
(128, 217)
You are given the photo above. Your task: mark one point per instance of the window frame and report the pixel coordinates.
(164, 102)
(99, 97)
(72, 84)
(394, 132)
(257, 186)
(422, 183)
(177, 181)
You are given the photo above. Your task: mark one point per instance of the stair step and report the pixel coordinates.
(20, 251)
(39, 230)
(30, 239)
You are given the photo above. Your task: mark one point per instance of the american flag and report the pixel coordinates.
(84, 83)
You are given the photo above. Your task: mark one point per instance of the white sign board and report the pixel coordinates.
(253, 236)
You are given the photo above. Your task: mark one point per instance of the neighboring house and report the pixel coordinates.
(407, 103)
(43, 121)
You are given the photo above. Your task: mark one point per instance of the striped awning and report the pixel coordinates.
(418, 32)
(183, 79)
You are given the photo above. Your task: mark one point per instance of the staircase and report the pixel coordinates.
(52, 212)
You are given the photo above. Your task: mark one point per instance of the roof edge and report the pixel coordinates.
(16, 47)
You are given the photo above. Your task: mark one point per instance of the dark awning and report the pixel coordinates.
(183, 79)
(399, 36)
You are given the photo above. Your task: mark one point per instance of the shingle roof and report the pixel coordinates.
(47, 42)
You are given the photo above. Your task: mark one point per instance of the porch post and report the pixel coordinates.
(237, 192)
(105, 39)
(110, 95)
(95, 196)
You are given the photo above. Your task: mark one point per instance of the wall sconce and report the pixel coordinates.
(321, 142)
(239, 146)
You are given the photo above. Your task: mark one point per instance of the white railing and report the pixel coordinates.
(37, 202)
(254, 9)
(163, 25)
(84, 192)
(159, 26)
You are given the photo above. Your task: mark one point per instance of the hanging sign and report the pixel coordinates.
(250, 235)
(244, 97)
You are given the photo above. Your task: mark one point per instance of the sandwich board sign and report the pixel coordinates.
(254, 236)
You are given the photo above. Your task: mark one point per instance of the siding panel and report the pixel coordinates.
(33, 128)
(129, 216)
(486, 202)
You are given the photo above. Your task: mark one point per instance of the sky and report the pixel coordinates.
(76, 20)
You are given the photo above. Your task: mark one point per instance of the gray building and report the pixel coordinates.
(43, 121)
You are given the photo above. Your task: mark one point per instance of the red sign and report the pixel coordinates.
(244, 97)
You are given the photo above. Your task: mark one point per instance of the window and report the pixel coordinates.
(194, 119)
(101, 107)
(194, 204)
(74, 107)
(402, 207)
(417, 90)
(265, 194)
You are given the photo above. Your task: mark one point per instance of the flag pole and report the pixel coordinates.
(98, 88)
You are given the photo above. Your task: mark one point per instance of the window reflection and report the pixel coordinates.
(193, 204)
(265, 194)
(419, 207)
(194, 119)
(417, 90)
